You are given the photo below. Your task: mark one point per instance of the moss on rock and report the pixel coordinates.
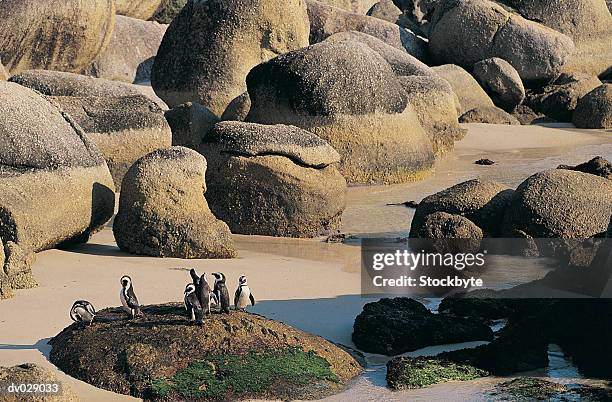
(408, 373)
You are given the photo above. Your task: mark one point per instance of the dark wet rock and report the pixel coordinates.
(56, 83)
(465, 32)
(64, 35)
(273, 180)
(163, 212)
(560, 204)
(30, 373)
(478, 304)
(587, 22)
(394, 326)
(420, 372)
(238, 109)
(385, 10)
(526, 116)
(124, 129)
(237, 35)
(133, 358)
(488, 115)
(559, 99)
(402, 63)
(594, 110)
(434, 102)
(481, 201)
(501, 81)
(363, 113)
(470, 93)
(326, 20)
(168, 10)
(47, 160)
(597, 166)
(190, 123)
(130, 52)
(450, 233)
(484, 162)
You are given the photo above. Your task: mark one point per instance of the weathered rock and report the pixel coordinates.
(124, 129)
(594, 110)
(560, 204)
(489, 115)
(190, 123)
(385, 10)
(141, 9)
(471, 95)
(433, 100)
(18, 266)
(211, 46)
(326, 20)
(64, 35)
(238, 109)
(399, 325)
(501, 81)
(450, 233)
(163, 212)
(3, 73)
(29, 373)
(137, 360)
(363, 113)
(55, 83)
(273, 180)
(587, 22)
(130, 52)
(465, 32)
(597, 166)
(354, 6)
(402, 63)
(46, 160)
(559, 99)
(481, 201)
(526, 116)
(168, 10)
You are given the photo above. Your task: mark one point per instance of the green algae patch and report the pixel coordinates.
(226, 377)
(408, 373)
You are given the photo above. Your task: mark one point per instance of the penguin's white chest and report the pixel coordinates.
(243, 299)
(124, 301)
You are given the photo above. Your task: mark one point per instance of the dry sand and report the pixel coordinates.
(306, 283)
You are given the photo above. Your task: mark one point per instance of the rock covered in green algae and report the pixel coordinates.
(407, 372)
(163, 356)
(529, 389)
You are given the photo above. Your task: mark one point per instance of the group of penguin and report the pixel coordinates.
(199, 298)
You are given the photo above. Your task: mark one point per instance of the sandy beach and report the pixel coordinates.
(309, 284)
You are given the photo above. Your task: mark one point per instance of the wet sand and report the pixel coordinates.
(309, 284)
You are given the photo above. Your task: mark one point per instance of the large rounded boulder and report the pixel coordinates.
(560, 203)
(594, 110)
(211, 46)
(465, 32)
(141, 9)
(501, 81)
(469, 92)
(65, 35)
(362, 112)
(163, 212)
(162, 356)
(273, 180)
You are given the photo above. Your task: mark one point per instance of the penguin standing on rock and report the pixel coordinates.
(221, 292)
(243, 295)
(129, 301)
(192, 304)
(82, 311)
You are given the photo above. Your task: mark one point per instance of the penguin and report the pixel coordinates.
(82, 311)
(192, 304)
(243, 295)
(221, 292)
(207, 296)
(129, 301)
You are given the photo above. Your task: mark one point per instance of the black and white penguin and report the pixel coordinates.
(129, 301)
(82, 311)
(221, 292)
(207, 296)
(243, 294)
(192, 304)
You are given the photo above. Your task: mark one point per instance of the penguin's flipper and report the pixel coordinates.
(252, 299)
(91, 309)
(215, 298)
(237, 297)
